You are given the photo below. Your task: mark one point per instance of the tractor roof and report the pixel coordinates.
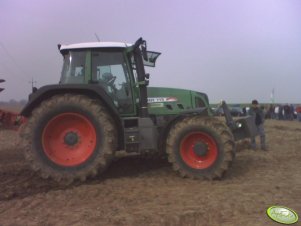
(95, 45)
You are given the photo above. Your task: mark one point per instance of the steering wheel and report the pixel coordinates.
(108, 78)
(111, 81)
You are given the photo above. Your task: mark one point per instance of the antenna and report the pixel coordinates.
(32, 83)
(97, 37)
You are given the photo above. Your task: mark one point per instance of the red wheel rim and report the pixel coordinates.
(194, 160)
(54, 139)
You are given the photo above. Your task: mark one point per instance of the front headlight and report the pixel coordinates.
(239, 125)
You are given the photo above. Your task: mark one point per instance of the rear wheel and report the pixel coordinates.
(200, 147)
(69, 137)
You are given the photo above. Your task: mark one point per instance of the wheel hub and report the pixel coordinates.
(71, 138)
(200, 149)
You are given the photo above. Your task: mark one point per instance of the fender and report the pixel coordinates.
(204, 111)
(48, 91)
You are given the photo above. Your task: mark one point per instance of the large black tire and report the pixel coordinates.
(200, 147)
(69, 137)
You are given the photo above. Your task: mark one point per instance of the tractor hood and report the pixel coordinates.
(174, 101)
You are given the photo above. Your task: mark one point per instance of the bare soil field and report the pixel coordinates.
(137, 191)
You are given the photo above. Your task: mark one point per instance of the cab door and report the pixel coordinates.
(110, 70)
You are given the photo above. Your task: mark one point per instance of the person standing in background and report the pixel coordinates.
(298, 110)
(280, 112)
(286, 111)
(292, 111)
(258, 114)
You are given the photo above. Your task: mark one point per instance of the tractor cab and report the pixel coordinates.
(111, 66)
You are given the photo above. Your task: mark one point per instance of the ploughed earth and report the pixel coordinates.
(139, 191)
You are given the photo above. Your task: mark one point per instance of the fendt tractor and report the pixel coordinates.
(103, 105)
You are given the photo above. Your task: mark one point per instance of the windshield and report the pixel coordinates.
(74, 67)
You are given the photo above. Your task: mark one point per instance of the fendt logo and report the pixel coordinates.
(161, 99)
(282, 214)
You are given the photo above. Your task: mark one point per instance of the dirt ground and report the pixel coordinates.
(136, 191)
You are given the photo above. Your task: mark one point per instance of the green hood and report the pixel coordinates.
(162, 101)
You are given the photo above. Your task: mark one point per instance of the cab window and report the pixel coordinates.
(74, 67)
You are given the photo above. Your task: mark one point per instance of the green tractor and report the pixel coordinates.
(103, 105)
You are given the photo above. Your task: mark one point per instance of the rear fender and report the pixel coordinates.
(45, 92)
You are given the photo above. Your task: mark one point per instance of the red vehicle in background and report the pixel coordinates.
(8, 119)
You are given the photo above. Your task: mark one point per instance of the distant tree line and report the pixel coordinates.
(13, 102)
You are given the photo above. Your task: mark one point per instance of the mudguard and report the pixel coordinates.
(45, 92)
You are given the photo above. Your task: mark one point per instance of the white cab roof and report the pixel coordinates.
(96, 45)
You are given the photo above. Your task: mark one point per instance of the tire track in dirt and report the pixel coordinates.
(18, 181)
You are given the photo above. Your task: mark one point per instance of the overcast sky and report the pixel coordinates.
(235, 50)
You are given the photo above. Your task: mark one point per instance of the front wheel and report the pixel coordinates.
(69, 137)
(200, 147)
